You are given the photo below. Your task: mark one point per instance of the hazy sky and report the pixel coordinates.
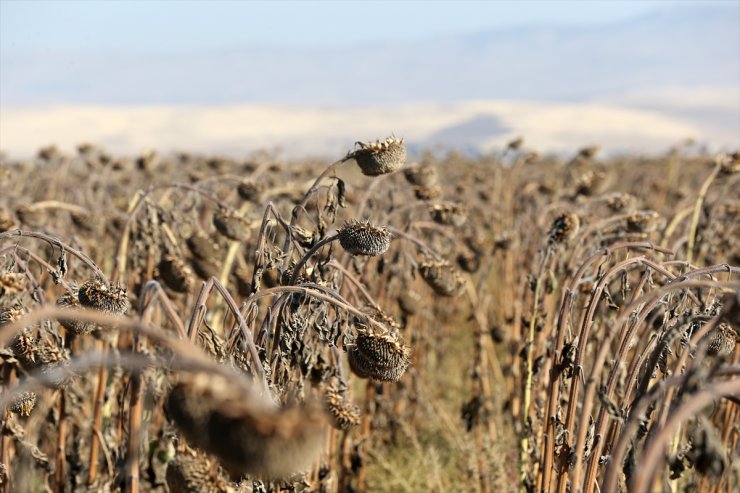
(359, 52)
(99, 26)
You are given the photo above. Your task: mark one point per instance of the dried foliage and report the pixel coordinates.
(187, 323)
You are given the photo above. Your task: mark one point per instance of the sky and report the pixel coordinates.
(181, 26)
(132, 74)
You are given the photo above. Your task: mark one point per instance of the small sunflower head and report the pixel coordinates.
(642, 221)
(422, 176)
(231, 225)
(248, 433)
(564, 228)
(251, 191)
(722, 340)
(380, 355)
(194, 471)
(12, 283)
(449, 213)
(427, 193)
(98, 295)
(444, 279)
(69, 301)
(23, 404)
(345, 415)
(42, 357)
(729, 164)
(379, 157)
(619, 201)
(12, 313)
(362, 238)
(202, 246)
(176, 274)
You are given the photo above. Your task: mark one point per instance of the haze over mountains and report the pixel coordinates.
(675, 71)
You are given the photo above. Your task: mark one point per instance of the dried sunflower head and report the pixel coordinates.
(589, 182)
(379, 157)
(12, 283)
(642, 221)
(427, 193)
(449, 213)
(380, 355)
(588, 152)
(11, 314)
(98, 295)
(564, 228)
(469, 261)
(345, 414)
(247, 433)
(231, 225)
(68, 301)
(176, 274)
(423, 176)
(202, 246)
(7, 222)
(42, 357)
(442, 277)
(362, 238)
(722, 340)
(618, 202)
(23, 404)
(251, 191)
(194, 472)
(729, 163)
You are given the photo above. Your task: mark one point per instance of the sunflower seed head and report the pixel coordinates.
(379, 157)
(379, 355)
(428, 193)
(442, 277)
(12, 283)
(362, 238)
(202, 246)
(722, 340)
(423, 176)
(176, 274)
(345, 414)
(98, 295)
(642, 221)
(449, 213)
(247, 433)
(564, 228)
(251, 191)
(194, 472)
(618, 202)
(23, 404)
(231, 225)
(69, 301)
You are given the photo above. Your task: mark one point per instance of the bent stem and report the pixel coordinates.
(287, 246)
(309, 254)
(64, 247)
